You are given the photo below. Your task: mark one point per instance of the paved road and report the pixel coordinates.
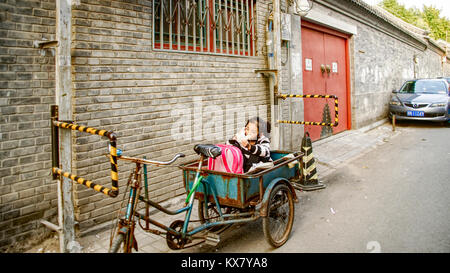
(394, 199)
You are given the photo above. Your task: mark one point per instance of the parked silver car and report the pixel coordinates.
(423, 99)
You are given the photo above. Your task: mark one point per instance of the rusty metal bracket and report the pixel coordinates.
(270, 73)
(55, 139)
(56, 124)
(46, 44)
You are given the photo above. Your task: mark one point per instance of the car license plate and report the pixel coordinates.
(415, 113)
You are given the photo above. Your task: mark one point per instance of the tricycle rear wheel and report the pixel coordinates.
(277, 225)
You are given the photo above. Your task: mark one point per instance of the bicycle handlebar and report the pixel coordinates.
(154, 162)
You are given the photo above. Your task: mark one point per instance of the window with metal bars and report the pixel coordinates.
(208, 26)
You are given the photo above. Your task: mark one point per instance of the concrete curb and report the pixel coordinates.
(329, 167)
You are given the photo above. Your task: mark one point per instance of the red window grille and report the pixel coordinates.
(208, 26)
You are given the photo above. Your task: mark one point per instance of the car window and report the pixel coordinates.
(408, 87)
(448, 81)
(430, 87)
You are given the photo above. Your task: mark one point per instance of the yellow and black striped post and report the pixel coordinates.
(114, 191)
(336, 108)
(309, 179)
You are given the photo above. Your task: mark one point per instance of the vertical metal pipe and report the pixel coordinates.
(232, 26)
(226, 24)
(55, 163)
(220, 23)
(61, 233)
(178, 6)
(161, 25)
(170, 24)
(194, 26)
(247, 27)
(186, 26)
(243, 27)
(208, 25)
(393, 123)
(253, 28)
(202, 24)
(237, 25)
(277, 62)
(214, 39)
(147, 206)
(55, 139)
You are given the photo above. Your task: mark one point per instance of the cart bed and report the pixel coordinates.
(239, 190)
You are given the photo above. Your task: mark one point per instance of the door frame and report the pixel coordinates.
(347, 37)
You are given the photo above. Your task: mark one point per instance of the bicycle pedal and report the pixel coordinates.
(212, 239)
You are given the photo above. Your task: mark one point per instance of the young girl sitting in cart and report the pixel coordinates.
(253, 141)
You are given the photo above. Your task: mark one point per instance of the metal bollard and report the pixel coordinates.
(393, 123)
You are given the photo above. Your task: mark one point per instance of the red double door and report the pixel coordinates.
(325, 72)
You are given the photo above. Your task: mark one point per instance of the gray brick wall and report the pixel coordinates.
(121, 84)
(27, 193)
(148, 97)
(383, 64)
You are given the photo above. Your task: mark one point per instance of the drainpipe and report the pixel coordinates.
(273, 42)
(277, 59)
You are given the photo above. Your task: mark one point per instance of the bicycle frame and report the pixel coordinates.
(127, 224)
(189, 203)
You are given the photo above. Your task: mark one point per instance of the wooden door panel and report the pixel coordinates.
(320, 48)
(313, 80)
(336, 82)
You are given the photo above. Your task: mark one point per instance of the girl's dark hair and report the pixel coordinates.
(263, 126)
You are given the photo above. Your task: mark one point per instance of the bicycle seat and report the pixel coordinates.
(208, 150)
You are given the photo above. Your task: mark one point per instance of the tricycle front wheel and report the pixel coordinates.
(117, 243)
(277, 225)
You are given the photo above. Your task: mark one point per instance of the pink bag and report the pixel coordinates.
(231, 160)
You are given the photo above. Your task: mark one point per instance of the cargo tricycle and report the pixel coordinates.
(223, 199)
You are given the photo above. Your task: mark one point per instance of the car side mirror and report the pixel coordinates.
(394, 91)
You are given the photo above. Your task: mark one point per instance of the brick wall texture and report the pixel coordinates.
(122, 85)
(159, 103)
(27, 75)
(119, 84)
